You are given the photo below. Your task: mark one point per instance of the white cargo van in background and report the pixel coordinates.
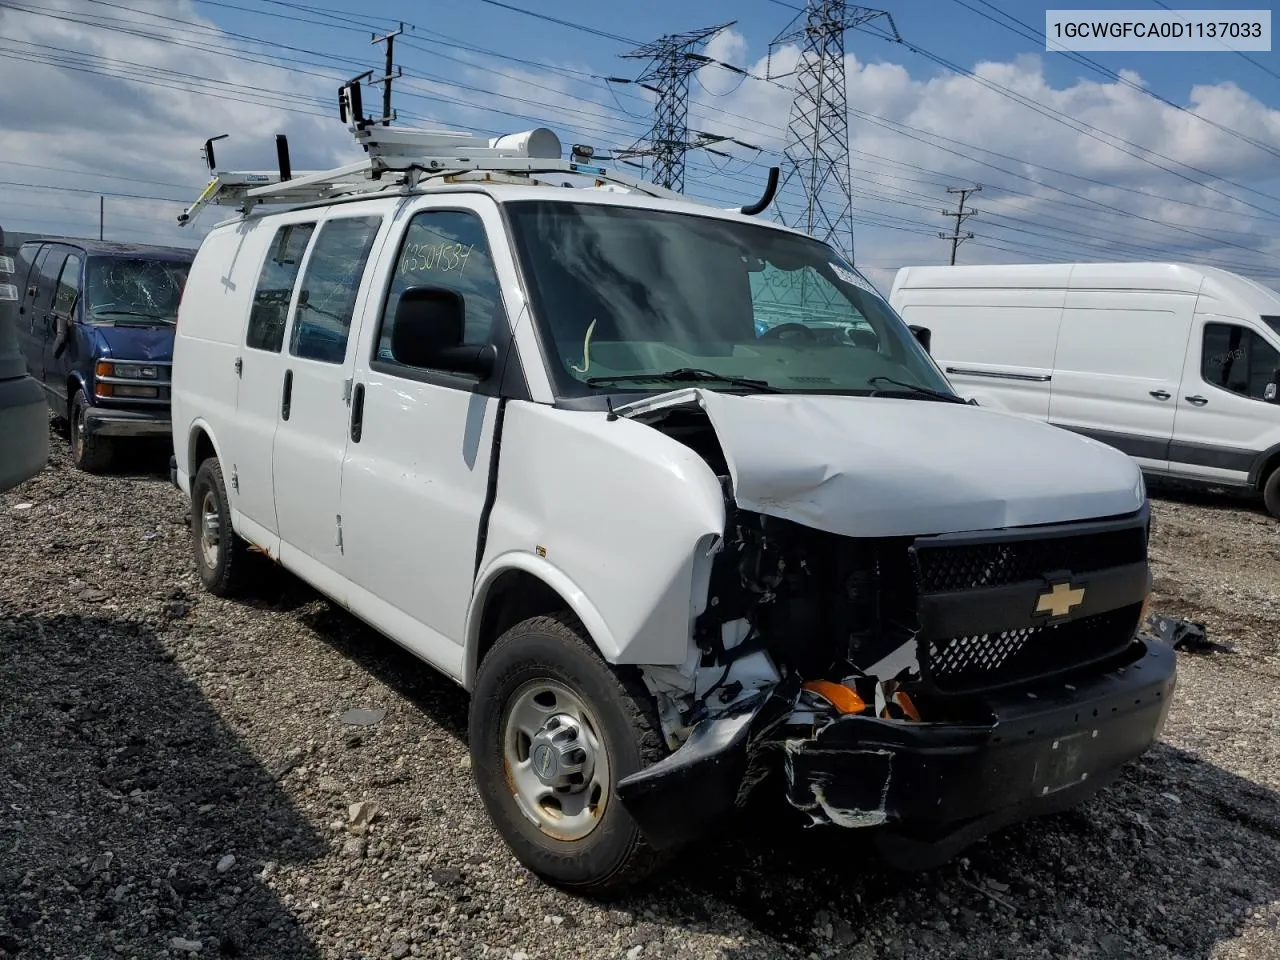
(1174, 364)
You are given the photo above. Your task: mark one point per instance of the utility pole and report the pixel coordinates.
(102, 214)
(392, 73)
(961, 215)
(673, 59)
(816, 158)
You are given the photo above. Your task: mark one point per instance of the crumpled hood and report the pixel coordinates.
(878, 466)
(137, 343)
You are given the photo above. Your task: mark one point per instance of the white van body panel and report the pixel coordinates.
(619, 516)
(994, 335)
(210, 323)
(1127, 361)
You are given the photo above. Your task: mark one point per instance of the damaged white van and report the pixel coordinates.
(671, 491)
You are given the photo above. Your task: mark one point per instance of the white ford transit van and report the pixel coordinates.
(537, 436)
(1174, 364)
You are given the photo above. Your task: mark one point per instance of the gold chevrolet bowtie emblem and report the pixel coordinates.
(1059, 601)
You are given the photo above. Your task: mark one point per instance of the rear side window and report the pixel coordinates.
(1237, 359)
(49, 271)
(330, 285)
(275, 286)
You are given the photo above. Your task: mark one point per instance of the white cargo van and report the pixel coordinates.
(670, 491)
(1174, 364)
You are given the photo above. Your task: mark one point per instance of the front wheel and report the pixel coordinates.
(89, 453)
(552, 730)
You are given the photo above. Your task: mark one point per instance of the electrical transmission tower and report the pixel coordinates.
(816, 158)
(673, 59)
(961, 215)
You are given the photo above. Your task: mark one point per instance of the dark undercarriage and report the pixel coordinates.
(995, 676)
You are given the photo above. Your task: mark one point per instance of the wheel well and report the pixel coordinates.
(513, 597)
(1268, 467)
(201, 450)
(72, 386)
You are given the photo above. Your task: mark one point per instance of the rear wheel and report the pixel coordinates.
(552, 730)
(220, 555)
(89, 453)
(1271, 493)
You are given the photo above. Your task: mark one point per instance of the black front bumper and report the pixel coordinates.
(115, 422)
(934, 788)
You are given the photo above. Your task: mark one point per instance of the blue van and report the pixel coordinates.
(95, 325)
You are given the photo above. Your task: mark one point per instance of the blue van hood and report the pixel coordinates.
(136, 343)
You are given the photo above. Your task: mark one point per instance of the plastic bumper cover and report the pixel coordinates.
(936, 787)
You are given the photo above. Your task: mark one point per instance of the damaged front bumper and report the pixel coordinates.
(932, 787)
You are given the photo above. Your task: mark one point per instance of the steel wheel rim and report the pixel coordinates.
(548, 723)
(210, 530)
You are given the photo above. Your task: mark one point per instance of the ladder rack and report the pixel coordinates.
(402, 159)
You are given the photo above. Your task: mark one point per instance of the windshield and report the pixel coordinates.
(137, 290)
(632, 299)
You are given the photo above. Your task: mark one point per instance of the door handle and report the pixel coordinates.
(287, 399)
(1161, 394)
(1198, 400)
(357, 413)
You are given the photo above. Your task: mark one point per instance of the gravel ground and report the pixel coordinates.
(177, 781)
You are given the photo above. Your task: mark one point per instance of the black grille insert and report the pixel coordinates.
(989, 661)
(967, 566)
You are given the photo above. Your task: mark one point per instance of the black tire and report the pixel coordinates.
(614, 855)
(221, 565)
(1271, 493)
(90, 454)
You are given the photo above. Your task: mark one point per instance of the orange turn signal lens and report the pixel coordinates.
(102, 368)
(841, 697)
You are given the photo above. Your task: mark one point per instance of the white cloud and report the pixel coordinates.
(1098, 221)
(79, 109)
(70, 115)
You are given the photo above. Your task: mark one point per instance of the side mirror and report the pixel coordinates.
(923, 335)
(1272, 389)
(428, 332)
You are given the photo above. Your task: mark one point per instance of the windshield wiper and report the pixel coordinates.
(688, 374)
(131, 313)
(916, 388)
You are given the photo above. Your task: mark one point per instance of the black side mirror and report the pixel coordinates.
(1271, 393)
(428, 332)
(923, 335)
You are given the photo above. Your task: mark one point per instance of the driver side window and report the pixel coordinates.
(446, 249)
(1235, 358)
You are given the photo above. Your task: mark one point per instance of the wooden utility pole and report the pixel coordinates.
(391, 73)
(961, 215)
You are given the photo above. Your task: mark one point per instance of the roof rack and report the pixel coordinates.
(411, 156)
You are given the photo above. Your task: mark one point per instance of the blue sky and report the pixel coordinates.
(125, 91)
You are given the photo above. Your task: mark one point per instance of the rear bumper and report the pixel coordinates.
(24, 431)
(934, 788)
(113, 422)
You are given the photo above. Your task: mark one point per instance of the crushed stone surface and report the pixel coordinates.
(177, 781)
